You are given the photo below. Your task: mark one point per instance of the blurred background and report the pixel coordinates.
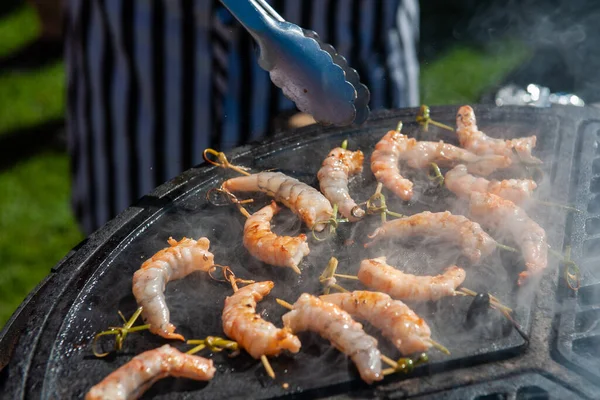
(468, 50)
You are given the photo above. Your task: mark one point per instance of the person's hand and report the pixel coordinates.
(300, 119)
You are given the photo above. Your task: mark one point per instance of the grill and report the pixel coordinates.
(45, 347)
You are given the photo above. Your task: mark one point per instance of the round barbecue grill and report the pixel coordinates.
(45, 348)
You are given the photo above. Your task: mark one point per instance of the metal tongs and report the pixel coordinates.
(309, 72)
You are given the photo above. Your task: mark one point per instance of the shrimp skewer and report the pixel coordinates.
(461, 183)
(331, 322)
(171, 263)
(376, 274)
(395, 147)
(132, 379)
(474, 242)
(258, 337)
(385, 163)
(305, 201)
(281, 251)
(506, 218)
(421, 154)
(333, 180)
(478, 142)
(407, 331)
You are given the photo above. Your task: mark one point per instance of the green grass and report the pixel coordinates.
(31, 98)
(17, 29)
(463, 74)
(36, 225)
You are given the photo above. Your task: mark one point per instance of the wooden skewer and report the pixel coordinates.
(196, 349)
(507, 248)
(223, 162)
(493, 300)
(389, 361)
(285, 304)
(353, 277)
(267, 365)
(439, 346)
(328, 273)
(296, 269)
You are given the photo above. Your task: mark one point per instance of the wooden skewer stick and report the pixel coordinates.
(214, 343)
(381, 208)
(222, 161)
(267, 365)
(389, 361)
(120, 332)
(328, 274)
(285, 304)
(424, 119)
(507, 248)
(196, 349)
(353, 277)
(494, 302)
(438, 346)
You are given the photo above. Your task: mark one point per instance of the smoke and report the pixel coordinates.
(196, 302)
(561, 34)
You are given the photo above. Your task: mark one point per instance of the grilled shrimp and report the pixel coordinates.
(478, 142)
(132, 379)
(333, 180)
(460, 182)
(378, 275)
(169, 264)
(385, 160)
(474, 242)
(395, 147)
(336, 325)
(506, 218)
(307, 202)
(257, 336)
(422, 154)
(397, 322)
(281, 251)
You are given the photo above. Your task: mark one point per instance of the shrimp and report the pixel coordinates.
(333, 180)
(131, 380)
(478, 142)
(305, 201)
(506, 218)
(378, 275)
(461, 183)
(336, 325)
(474, 242)
(407, 331)
(422, 154)
(171, 263)
(281, 251)
(257, 336)
(385, 160)
(394, 147)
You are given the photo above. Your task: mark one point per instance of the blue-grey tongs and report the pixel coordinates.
(309, 72)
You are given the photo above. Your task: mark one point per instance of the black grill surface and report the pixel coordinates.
(45, 348)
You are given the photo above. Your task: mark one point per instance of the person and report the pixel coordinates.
(152, 83)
